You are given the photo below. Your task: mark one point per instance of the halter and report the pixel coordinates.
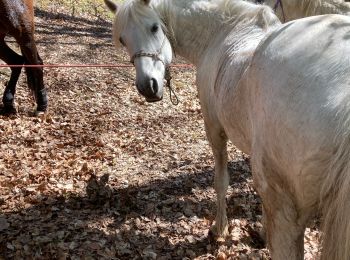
(153, 55)
(167, 76)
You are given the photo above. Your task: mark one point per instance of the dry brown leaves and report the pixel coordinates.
(107, 176)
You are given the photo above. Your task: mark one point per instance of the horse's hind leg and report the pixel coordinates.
(34, 75)
(284, 230)
(284, 223)
(218, 141)
(11, 58)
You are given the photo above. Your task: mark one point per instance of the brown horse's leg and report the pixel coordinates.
(11, 58)
(34, 75)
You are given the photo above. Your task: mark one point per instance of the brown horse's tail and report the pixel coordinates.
(336, 209)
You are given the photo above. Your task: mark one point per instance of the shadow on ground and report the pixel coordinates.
(133, 221)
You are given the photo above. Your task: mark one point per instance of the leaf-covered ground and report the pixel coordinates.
(105, 175)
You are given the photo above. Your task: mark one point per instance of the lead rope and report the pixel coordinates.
(173, 97)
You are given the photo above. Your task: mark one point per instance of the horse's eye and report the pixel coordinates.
(121, 41)
(154, 28)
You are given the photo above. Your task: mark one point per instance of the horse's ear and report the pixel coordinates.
(146, 2)
(111, 6)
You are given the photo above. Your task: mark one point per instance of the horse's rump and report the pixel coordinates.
(17, 18)
(301, 117)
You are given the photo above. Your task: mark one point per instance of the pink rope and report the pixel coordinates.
(84, 66)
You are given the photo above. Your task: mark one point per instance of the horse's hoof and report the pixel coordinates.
(40, 114)
(8, 110)
(41, 109)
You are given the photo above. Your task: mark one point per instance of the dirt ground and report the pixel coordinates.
(106, 175)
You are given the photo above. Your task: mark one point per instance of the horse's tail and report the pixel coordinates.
(335, 195)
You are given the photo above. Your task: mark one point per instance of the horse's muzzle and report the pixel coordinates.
(150, 90)
(150, 100)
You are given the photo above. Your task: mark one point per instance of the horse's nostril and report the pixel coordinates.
(154, 86)
(150, 89)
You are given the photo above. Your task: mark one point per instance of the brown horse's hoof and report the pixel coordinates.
(8, 110)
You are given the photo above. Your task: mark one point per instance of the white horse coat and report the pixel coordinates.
(280, 93)
(288, 10)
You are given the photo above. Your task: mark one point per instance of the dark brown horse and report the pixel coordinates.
(17, 20)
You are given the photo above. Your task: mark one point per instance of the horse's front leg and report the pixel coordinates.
(218, 141)
(11, 58)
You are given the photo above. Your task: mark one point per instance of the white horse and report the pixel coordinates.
(279, 92)
(288, 10)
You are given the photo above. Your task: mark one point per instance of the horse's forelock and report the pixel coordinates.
(123, 14)
(133, 10)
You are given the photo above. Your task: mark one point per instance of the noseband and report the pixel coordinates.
(167, 76)
(153, 55)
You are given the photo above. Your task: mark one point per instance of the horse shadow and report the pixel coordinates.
(122, 222)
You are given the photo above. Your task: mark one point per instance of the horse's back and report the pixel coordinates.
(305, 65)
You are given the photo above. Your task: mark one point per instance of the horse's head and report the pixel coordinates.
(138, 27)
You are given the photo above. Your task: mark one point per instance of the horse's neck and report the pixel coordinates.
(192, 36)
(190, 31)
(196, 31)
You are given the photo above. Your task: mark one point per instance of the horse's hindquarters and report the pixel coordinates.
(300, 116)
